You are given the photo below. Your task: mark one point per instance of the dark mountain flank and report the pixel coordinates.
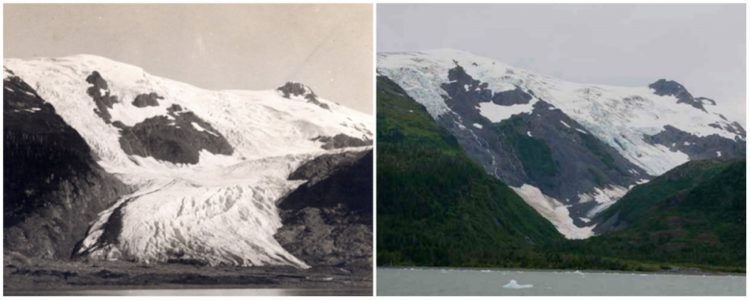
(544, 148)
(328, 220)
(53, 186)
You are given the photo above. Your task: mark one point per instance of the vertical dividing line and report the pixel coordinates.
(374, 148)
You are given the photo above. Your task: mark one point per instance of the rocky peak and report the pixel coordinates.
(299, 90)
(663, 87)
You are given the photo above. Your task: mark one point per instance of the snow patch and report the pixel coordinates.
(554, 211)
(477, 125)
(497, 113)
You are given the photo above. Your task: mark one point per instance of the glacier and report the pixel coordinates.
(221, 210)
(625, 118)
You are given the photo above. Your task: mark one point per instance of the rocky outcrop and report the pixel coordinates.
(341, 141)
(544, 148)
(99, 91)
(150, 99)
(328, 220)
(176, 137)
(296, 89)
(53, 186)
(699, 147)
(663, 87)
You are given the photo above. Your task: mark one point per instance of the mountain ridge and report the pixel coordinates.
(571, 150)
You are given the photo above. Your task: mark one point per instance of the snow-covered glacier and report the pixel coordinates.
(206, 167)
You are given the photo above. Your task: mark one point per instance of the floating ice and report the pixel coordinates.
(514, 285)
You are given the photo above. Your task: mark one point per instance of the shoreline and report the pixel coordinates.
(689, 272)
(85, 278)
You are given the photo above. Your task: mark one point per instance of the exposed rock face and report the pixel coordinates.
(699, 148)
(53, 186)
(99, 91)
(544, 148)
(512, 97)
(177, 137)
(178, 140)
(150, 99)
(296, 89)
(663, 87)
(328, 220)
(341, 141)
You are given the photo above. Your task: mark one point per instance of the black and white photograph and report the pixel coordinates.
(187, 149)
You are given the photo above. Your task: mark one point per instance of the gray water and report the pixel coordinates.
(479, 282)
(196, 292)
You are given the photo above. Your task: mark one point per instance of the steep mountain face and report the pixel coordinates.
(438, 207)
(570, 150)
(200, 172)
(694, 213)
(52, 184)
(328, 220)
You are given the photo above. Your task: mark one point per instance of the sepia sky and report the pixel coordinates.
(230, 46)
(701, 46)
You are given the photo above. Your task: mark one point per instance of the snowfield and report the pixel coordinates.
(619, 116)
(222, 209)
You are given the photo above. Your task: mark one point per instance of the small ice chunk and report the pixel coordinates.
(514, 285)
(718, 153)
(529, 133)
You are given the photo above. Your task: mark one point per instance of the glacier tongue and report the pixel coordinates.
(220, 210)
(226, 216)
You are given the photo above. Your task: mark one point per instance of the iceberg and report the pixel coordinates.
(514, 285)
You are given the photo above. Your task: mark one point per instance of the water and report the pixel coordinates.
(196, 292)
(466, 282)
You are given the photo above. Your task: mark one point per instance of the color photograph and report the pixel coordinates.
(561, 149)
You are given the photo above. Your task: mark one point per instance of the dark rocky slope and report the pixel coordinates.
(328, 220)
(544, 148)
(53, 186)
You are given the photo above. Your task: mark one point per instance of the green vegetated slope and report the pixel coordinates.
(691, 215)
(436, 207)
